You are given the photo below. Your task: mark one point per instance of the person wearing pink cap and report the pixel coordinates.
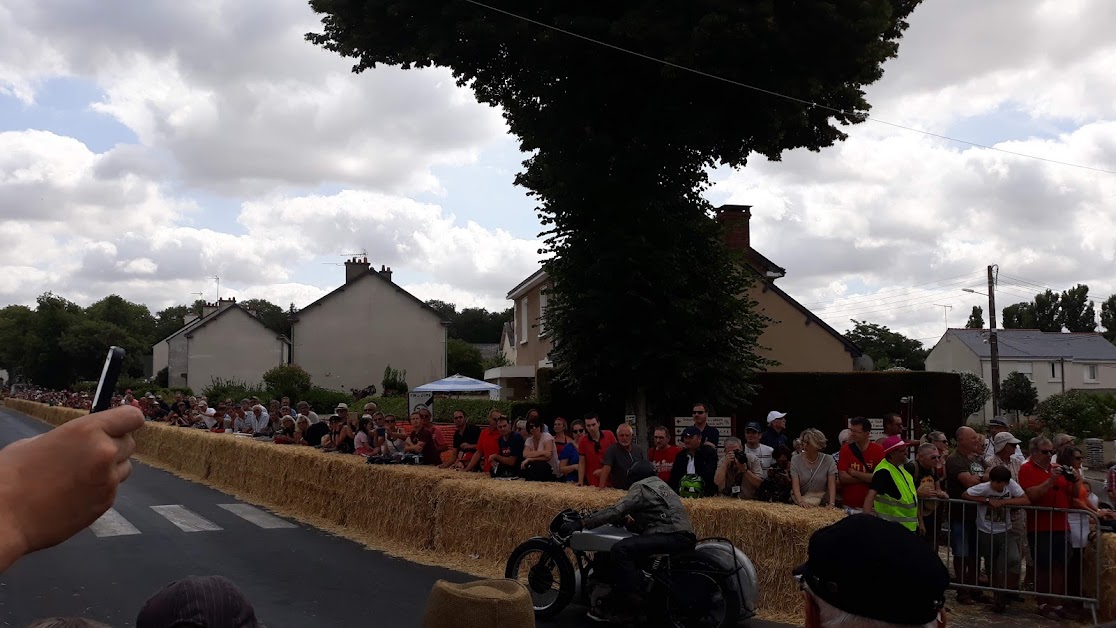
(892, 495)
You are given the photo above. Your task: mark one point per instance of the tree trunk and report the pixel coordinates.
(638, 404)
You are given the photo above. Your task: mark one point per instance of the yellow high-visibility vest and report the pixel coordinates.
(904, 510)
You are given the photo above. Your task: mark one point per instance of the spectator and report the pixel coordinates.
(1110, 483)
(709, 435)
(302, 427)
(421, 441)
(568, 457)
(798, 446)
(521, 428)
(304, 410)
(561, 433)
(244, 424)
(540, 457)
(364, 440)
(753, 446)
(487, 444)
(777, 486)
(285, 435)
(695, 467)
(534, 414)
(314, 434)
(1080, 524)
(274, 409)
(261, 423)
(465, 439)
(1060, 442)
(1047, 486)
(342, 410)
(842, 439)
(893, 426)
(371, 408)
(394, 438)
(1004, 453)
(907, 580)
(813, 473)
(998, 425)
(1001, 555)
(209, 420)
(619, 458)
(939, 440)
(509, 453)
(776, 433)
(740, 473)
(662, 453)
(340, 436)
(440, 442)
(857, 463)
(964, 469)
(891, 495)
(590, 451)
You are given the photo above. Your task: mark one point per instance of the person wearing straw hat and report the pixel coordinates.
(896, 580)
(479, 604)
(891, 495)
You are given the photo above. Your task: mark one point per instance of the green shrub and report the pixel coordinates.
(324, 400)
(84, 387)
(974, 394)
(135, 384)
(287, 380)
(162, 378)
(395, 382)
(1079, 413)
(233, 389)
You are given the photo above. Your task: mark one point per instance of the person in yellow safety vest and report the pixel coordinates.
(891, 495)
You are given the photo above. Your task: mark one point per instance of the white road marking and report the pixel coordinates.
(112, 523)
(185, 520)
(257, 516)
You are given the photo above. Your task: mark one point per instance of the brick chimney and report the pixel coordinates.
(734, 221)
(355, 268)
(385, 271)
(209, 308)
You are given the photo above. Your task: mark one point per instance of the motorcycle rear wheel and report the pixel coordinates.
(544, 569)
(699, 599)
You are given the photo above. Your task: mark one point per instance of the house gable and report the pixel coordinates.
(370, 275)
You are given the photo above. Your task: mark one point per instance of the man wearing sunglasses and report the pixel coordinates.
(710, 435)
(591, 448)
(1047, 485)
(928, 485)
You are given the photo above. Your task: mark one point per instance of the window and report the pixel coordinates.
(524, 321)
(542, 313)
(1090, 372)
(1055, 372)
(1025, 368)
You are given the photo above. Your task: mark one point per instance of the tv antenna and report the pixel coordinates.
(945, 312)
(218, 280)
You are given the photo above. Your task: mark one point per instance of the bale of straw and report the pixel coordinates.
(55, 415)
(1107, 594)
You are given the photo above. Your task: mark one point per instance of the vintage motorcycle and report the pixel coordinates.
(712, 586)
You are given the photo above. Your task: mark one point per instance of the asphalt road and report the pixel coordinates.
(163, 528)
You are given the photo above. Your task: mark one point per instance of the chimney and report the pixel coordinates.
(223, 303)
(354, 268)
(734, 221)
(385, 271)
(209, 308)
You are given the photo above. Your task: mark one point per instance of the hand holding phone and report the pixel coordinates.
(106, 386)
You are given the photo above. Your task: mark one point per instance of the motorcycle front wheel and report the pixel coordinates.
(544, 569)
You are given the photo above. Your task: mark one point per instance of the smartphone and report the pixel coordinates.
(114, 362)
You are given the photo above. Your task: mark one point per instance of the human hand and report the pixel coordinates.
(75, 468)
(995, 503)
(597, 473)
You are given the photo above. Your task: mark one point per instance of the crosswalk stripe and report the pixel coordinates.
(112, 523)
(186, 520)
(257, 516)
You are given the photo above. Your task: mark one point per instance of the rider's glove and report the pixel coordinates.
(569, 528)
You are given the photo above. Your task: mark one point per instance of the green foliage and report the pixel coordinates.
(1051, 311)
(1018, 394)
(287, 380)
(324, 400)
(887, 348)
(1108, 318)
(233, 389)
(1082, 414)
(974, 394)
(976, 318)
(162, 377)
(544, 385)
(462, 358)
(496, 361)
(272, 316)
(473, 324)
(1019, 316)
(646, 298)
(169, 321)
(395, 382)
(1076, 313)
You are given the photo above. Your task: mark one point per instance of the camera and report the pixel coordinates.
(1069, 474)
(741, 456)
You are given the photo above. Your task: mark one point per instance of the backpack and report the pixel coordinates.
(692, 485)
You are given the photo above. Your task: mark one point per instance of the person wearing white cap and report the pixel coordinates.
(776, 430)
(996, 426)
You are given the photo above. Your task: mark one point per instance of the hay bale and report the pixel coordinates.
(55, 415)
(1107, 611)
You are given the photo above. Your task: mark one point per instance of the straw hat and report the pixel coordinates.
(479, 604)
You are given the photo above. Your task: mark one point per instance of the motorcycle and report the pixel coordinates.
(713, 586)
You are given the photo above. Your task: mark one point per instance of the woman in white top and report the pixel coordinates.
(540, 456)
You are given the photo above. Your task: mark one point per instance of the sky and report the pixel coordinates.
(147, 152)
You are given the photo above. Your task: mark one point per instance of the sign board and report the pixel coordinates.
(877, 428)
(630, 419)
(722, 423)
(414, 400)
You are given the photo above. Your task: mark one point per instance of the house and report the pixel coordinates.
(796, 338)
(1055, 362)
(226, 341)
(348, 337)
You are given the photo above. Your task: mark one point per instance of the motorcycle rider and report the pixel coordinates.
(656, 511)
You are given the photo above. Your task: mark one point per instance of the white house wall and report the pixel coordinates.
(348, 339)
(233, 346)
(159, 357)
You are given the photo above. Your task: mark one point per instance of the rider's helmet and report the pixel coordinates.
(640, 471)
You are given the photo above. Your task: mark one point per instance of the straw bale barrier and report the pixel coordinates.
(466, 520)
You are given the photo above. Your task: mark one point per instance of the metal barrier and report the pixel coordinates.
(1030, 556)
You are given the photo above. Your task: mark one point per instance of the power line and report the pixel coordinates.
(877, 294)
(869, 311)
(889, 301)
(780, 95)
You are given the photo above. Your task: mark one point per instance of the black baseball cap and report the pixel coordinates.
(752, 426)
(205, 601)
(908, 579)
(691, 431)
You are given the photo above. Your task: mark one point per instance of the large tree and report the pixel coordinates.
(1108, 318)
(887, 348)
(976, 318)
(645, 300)
(462, 358)
(272, 316)
(1019, 316)
(1075, 311)
(1018, 394)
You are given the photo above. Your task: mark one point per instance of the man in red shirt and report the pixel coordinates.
(1046, 485)
(662, 453)
(591, 448)
(487, 444)
(856, 463)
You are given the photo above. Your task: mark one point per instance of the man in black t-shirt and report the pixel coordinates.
(465, 439)
(314, 434)
(710, 436)
(505, 462)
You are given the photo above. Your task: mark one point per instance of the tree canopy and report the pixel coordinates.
(976, 318)
(646, 298)
(1108, 318)
(1052, 312)
(1018, 394)
(462, 358)
(887, 348)
(472, 324)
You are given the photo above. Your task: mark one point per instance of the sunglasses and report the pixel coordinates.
(696, 412)
(1046, 452)
(579, 431)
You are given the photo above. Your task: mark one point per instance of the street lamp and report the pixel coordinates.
(993, 341)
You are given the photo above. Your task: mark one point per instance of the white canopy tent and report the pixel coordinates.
(459, 384)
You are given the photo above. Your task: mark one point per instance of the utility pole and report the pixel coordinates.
(993, 342)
